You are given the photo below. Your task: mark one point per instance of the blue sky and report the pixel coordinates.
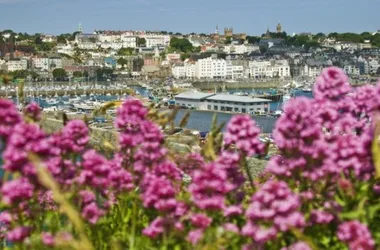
(250, 16)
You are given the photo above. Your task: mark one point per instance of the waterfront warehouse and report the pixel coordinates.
(192, 99)
(236, 104)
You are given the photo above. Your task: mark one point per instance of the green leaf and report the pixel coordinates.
(376, 150)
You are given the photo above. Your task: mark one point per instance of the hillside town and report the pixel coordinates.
(221, 55)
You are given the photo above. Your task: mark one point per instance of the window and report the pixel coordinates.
(243, 110)
(215, 107)
(209, 107)
(236, 109)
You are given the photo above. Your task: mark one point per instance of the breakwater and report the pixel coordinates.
(72, 92)
(236, 85)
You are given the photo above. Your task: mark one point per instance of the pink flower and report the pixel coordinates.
(230, 227)
(331, 84)
(25, 138)
(233, 211)
(87, 196)
(274, 208)
(155, 228)
(47, 239)
(195, 236)
(9, 117)
(243, 133)
(209, 187)
(33, 111)
(300, 245)
(321, 217)
(201, 220)
(5, 218)
(16, 191)
(92, 213)
(18, 234)
(158, 192)
(95, 170)
(356, 235)
(74, 137)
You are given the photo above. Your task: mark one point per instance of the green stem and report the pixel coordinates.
(250, 179)
(133, 230)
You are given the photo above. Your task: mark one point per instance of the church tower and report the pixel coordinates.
(80, 30)
(279, 28)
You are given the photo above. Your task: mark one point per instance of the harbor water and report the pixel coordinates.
(199, 120)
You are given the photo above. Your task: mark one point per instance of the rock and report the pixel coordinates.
(256, 166)
(178, 148)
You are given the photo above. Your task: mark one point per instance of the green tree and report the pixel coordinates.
(263, 49)
(125, 51)
(228, 40)
(253, 39)
(46, 46)
(92, 39)
(59, 74)
(184, 56)
(122, 61)
(61, 39)
(38, 40)
(181, 44)
(80, 74)
(141, 41)
(104, 73)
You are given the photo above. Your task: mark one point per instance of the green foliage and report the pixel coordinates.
(228, 40)
(263, 49)
(38, 40)
(141, 41)
(61, 39)
(46, 46)
(181, 45)
(104, 73)
(125, 51)
(23, 74)
(59, 74)
(184, 56)
(80, 74)
(122, 61)
(253, 39)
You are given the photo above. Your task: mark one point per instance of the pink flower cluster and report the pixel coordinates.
(356, 235)
(243, 133)
(33, 111)
(274, 208)
(327, 135)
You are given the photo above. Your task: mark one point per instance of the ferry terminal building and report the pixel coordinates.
(222, 102)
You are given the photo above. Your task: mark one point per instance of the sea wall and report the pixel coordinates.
(237, 85)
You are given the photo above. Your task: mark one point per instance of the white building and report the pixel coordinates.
(373, 65)
(87, 45)
(65, 49)
(44, 63)
(154, 40)
(211, 68)
(192, 99)
(240, 49)
(234, 71)
(17, 64)
(189, 69)
(269, 69)
(55, 62)
(41, 63)
(48, 38)
(179, 71)
(128, 41)
(236, 104)
(312, 70)
(351, 70)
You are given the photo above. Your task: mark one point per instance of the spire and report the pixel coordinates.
(80, 28)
